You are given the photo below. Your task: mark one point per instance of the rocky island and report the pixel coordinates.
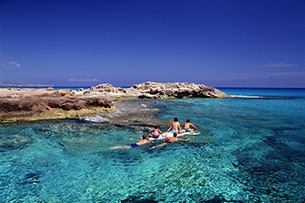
(44, 104)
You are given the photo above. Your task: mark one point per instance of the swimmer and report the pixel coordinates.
(143, 141)
(175, 127)
(170, 140)
(187, 126)
(156, 132)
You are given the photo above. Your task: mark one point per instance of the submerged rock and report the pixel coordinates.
(14, 142)
(30, 178)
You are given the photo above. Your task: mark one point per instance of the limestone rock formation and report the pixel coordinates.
(40, 105)
(155, 90)
(32, 104)
(175, 90)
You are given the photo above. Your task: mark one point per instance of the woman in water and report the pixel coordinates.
(156, 132)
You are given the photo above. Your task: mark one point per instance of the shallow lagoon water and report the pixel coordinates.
(249, 150)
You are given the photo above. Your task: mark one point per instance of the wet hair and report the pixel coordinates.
(144, 136)
(155, 127)
(175, 119)
(175, 134)
(188, 121)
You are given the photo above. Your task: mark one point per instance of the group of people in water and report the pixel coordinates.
(155, 133)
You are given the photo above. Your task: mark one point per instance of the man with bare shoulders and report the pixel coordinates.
(175, 127)
(143, 141)
(187, 126)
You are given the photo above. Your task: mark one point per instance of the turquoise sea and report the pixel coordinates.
(251, 149)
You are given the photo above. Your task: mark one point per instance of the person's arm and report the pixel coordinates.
(170, 127)
(184, 139)
(194, 126)
(159, 145)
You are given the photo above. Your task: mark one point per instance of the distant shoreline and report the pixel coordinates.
(24, 85)
(2, 85)
(56, 87)
(21, 85)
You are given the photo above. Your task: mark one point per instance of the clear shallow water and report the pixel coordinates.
(249, 150)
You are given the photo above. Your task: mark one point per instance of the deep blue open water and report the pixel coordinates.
(251, 149)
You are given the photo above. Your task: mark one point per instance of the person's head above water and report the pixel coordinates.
(175, 134)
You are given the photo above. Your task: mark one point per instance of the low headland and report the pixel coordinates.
(29, 104)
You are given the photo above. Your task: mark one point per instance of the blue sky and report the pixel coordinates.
(221, 43)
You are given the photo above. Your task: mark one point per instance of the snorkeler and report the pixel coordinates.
(143, 141)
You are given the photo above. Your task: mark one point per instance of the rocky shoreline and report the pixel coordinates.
(155, 90)
(17, 105)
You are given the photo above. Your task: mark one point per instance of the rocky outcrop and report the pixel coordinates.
(175, 90)
(30, 104)
(41, 105)
(155, 90)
